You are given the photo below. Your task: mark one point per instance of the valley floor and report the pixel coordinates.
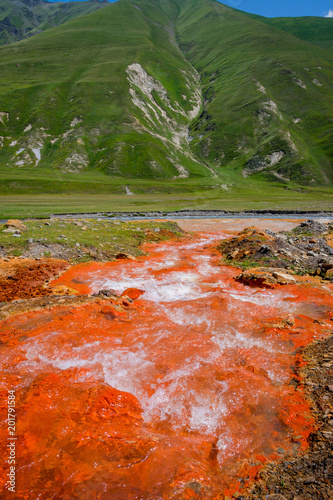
(164, 197)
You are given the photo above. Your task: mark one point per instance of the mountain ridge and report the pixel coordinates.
(194, 90)
(24, 18)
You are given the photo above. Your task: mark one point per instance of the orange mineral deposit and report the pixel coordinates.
(182, 394)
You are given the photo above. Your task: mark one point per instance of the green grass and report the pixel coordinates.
(19, 20)
(262, 196)
(316, 30)
(110, 236)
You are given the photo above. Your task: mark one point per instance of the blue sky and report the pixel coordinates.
(282, 8)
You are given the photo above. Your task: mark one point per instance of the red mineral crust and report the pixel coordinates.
(25, 278)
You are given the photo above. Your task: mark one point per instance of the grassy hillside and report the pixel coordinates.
(110, 91)
(316, 30)
(151, 96)
(22, 18)
(267, 96)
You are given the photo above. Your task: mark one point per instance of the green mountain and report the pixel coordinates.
(179, 91)
(316, 30)
(23, 18)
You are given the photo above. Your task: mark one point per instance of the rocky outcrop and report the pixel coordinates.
(265, 278)
(307, 249)
(256, 278)
(15, 224)
(164, 117)
(142, 89)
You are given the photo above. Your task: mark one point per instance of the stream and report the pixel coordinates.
(184, 393)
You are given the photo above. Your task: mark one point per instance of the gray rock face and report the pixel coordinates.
(313, 227)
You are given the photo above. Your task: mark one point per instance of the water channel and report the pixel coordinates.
(183, 393)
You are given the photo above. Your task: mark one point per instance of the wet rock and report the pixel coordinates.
(133, 293)
(282, 251)
(311, 226)
(289, 321)
(91, 414)
(270, 232)
(106, 293)
(307, 476)
(256, 279)
(109, 312)
(38, 303)
(281, 451)
(63, 290)
(265, 249)
(284, 279)
(297, 249)
(125, 256)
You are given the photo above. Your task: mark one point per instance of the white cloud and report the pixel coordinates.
(330, 13)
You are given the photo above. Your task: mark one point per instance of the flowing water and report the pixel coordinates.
(184, 393)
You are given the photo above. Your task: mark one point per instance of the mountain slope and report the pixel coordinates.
(168, 89)
(22, 18)
(110, 91)
(268, 95)
(316, 30)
